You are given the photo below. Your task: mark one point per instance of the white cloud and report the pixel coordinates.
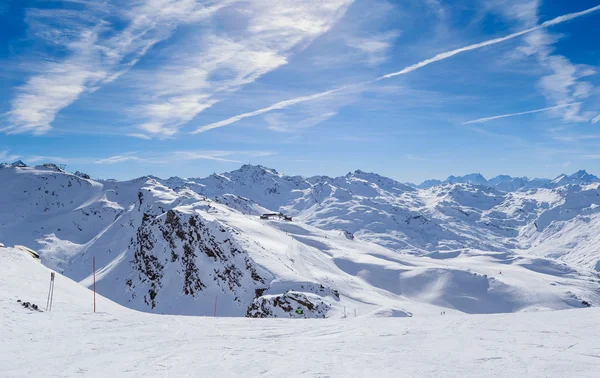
(276, 106)
(414, 157)
(575, 138)
(596, 119)
(218, 62)
(47, 159)
(487, 119)
(185, 155)
(375, 46)
(281, 122)
(96, 53)
(5, 156)
(490, 42)
(561, 84)
(439, 57)
(139, 136)
(118, 159)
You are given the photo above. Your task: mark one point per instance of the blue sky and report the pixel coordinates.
(408, 89)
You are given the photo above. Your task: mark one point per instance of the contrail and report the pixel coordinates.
(278, 105)
(476, 46)
(414, 67)
(482, 120)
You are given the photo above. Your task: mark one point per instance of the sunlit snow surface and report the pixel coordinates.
(71, 341)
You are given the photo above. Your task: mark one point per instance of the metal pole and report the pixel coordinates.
(94, 268)
(215, 311)
(51, 290)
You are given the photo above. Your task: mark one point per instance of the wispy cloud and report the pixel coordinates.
(561, 84)
(487, 119)
(119, 159)
(97, 52)
(414, 157)
(5, 156)
(576, 138)
(139, 136)
(266, 33)
(276, 106)
(171, 157)
(279, 122)
(451, 53)
(373, 47)
(596, 119)
(184, 155)
(48, 159)
(439, 57)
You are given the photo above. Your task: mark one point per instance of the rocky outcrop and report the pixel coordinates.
(202, 254)
(289, 304)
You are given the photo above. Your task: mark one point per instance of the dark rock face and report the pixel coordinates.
(292, 304)
(203, 254)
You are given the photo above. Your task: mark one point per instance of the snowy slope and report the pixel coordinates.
(72, 341)
(24, 278)
(360, 241)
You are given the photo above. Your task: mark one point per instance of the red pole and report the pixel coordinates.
(94, 267)
(215, 312)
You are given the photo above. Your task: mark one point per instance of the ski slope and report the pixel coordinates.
(72, 341)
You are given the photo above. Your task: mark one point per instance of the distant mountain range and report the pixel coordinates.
(508, 183)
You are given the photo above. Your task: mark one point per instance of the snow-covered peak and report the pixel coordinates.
(382, 182)
(472, 178)
(578, 178)
(254, 170)
(508, 183)
(429, 184)
(19, 163)
(583, 175)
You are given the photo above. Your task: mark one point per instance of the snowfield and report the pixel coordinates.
(372, 277)
(72, 341)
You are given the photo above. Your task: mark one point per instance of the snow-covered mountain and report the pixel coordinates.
(510, 184)
(361, 241)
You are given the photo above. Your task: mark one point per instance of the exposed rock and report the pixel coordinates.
(288, 304)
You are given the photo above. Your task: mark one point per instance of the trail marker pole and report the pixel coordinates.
(94, 268)
(50, 293)
(215, 311)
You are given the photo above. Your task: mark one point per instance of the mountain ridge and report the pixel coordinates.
(503, 182)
